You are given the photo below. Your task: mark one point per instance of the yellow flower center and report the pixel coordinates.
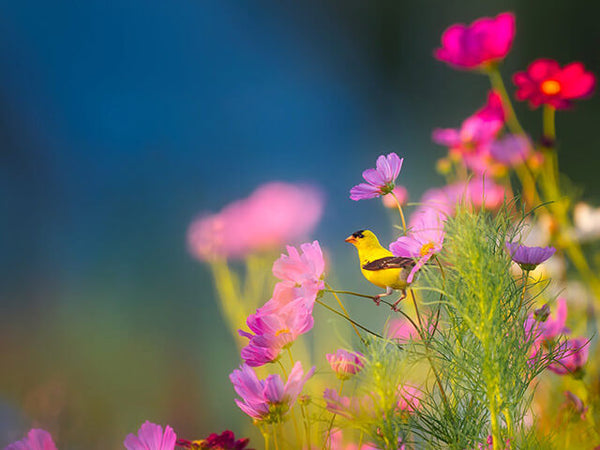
(426, 249)
(550, 87)
(283, 330)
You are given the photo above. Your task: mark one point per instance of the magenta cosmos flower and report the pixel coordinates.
(511, 150)
(151, 437)
(269, 399)
(546, 83)
(345, 363)
(275, 213)
(484, 42)
(423, 240)
(379, 181)
(529, 257)
(36, 439)
(224, 441)
(573, 356)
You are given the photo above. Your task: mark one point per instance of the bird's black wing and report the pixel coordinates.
(390, 262)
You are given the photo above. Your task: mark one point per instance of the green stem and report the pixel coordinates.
(345, 312)
(333, 310)
(498, 85)
(356, 294)
(276, 429)
(265, 433)
(400, 211)
(525, 280)
(549, 123)
(327, 436)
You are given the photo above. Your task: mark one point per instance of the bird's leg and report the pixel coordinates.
(388, 291)
(402, 297)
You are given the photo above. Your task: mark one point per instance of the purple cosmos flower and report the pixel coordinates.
(574, 355)
(528, 257)
(269, 399)
(424, 239)
(345, 363)
(379, 181)
(511, 150)
(36, 439)
(151, 437)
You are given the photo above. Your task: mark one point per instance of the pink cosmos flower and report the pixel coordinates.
(401, 194)
(528, 257)
(151, 437)
(484, 42)
(476, 193)
(546, 83)
(401, 329)
(424, 239)
(471, 143)
(269, 399)
(575, 404)
(345, 363)
(379, 181)
(409, 398)
(274, 328)
(275, 213)
(336, 442)
(36, 439)
(511, 150)
(301, 268)
(574, 355)
(348, 407)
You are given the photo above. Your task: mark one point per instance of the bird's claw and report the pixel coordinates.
(377, 300)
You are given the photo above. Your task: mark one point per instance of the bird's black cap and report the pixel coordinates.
(358, 234)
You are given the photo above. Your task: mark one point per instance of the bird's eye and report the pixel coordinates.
(358, 234)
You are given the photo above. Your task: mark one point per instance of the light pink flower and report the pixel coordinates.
(348, 407)
(269, 399)
(401, 329)
(484, 42)
(423, 240)
(151, 437)
(345, 363)
(275, 213)
(36, 439)
(471, 143)
(301, 268)
(379, 181)
(409, 398)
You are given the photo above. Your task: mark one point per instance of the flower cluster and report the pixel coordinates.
(288, 314)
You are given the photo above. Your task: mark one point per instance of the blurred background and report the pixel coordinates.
(122, 121)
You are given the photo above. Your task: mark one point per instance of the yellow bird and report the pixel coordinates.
(380, 266)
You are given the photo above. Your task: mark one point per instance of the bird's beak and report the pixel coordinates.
(350, 239)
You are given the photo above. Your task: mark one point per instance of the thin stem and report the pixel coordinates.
(525, 280)
(549, 124)
(356, 294)
(327, 436)
(264, 432)
(325, 305)
(306, 426)
(400, 211)
(295, 422)
(345, 312)
(414, 300)
(498, 85)
(276, 436)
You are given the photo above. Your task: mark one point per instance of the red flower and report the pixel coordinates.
(545, 83)
(484, 41)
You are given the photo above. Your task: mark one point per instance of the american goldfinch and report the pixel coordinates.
(380, 266)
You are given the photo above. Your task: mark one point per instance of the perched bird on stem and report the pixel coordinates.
(380, 266)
